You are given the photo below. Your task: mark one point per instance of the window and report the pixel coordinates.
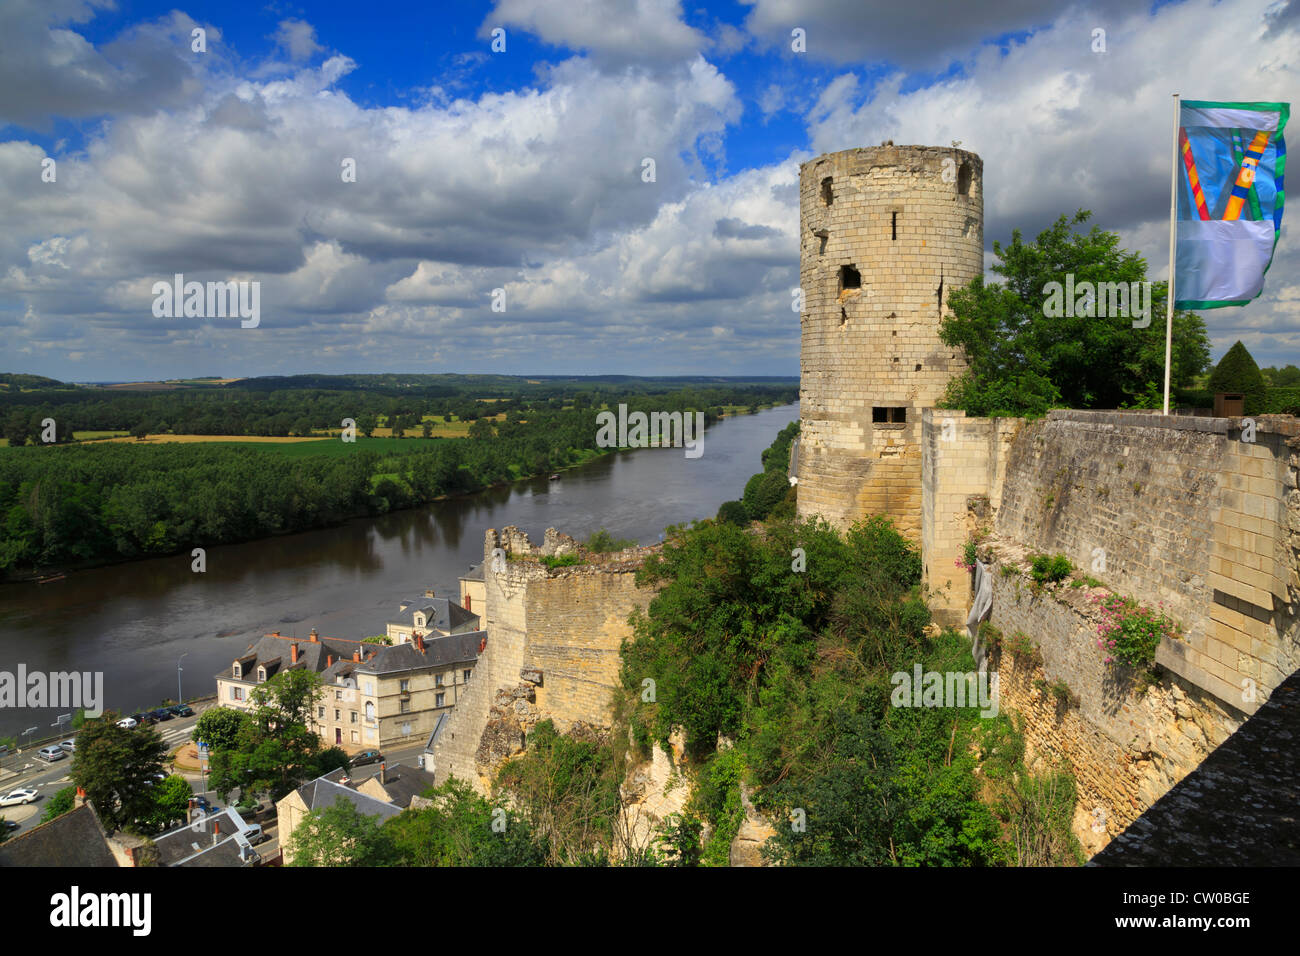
(963, 180)
(828, 192)
(354, 719)
(441, 698)
(237, 670)
(338, 695)
(261, 674)
(405, 686)
(320, 712)
(368, 689)
(889, 415)
(893, 226)
(355, 738)
(370, 710)
(850, 278)
(236, 693)
(467, 673)
(405, 707)
(437, 680)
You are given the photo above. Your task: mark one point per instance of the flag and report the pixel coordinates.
(1231, 160)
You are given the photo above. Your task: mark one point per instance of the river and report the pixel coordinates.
(132, 622)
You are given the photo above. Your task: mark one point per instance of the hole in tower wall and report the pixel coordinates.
(844, 317)
(889, 415)
(828, 194)
(963, 180)
(850, 278)
(918, 367)
(893, 226)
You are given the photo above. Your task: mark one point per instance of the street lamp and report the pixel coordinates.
(28, 733)
(60, 721)
(179, 698)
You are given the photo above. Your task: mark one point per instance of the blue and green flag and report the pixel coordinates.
(1230, 194)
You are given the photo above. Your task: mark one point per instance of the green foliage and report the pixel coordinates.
(1237, 372)
(1050, 570)
(1022, 645)
(59, 804)
(220, 727)
(457, 830)
(117, 769)
(1282, 401)
(378, 639)
(768, 493)
(567, 791)
(171, 798)
(602, 542)
(717, 800)
(679, 842)
(1024, 363)
(341, 835)
(560, 561)
(1130, 631)
(733, 512)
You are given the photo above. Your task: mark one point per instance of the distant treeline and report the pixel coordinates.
(300, 405)
(84, 504)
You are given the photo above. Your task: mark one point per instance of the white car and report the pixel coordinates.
(17, 797)
(128, 723)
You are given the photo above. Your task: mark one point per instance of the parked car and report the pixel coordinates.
(182, 710)
(365, 757)
(144, 717)
(162, 713)
(10, 825)
(254, 834)
(201, 803)
(51, 754)
(18, 797)
(128, 723)
(68, 746)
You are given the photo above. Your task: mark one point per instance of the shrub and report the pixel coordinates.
(1237, 372)
(602, 542)
(733, 512)
(1130, 632)
(1050, 570)
(560, 561)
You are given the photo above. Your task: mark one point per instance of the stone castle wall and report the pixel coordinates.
(910, 221)
(553, 641)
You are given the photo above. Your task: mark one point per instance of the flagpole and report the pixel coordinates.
(1173, 243)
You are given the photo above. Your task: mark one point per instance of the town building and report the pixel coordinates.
(318, 794)
(430, 616)
(273, 653)
(391, 695)
(473, 589)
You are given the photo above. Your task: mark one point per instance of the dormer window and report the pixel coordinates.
(419, 620)
(238, 670)
(261, 674)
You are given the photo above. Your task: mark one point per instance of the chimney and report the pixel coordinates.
(383, 773)
(356, 656)
(293, 653)
(216, 832)
(482, 644)
(314, 637)
(329, 660)
(428, 592)
(275, 633)
(81, 798)
(419, 642)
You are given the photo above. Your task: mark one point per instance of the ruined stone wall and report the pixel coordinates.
(964, 465)
(910, 221)
(552, 651)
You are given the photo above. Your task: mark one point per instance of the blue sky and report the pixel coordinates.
(521, 170)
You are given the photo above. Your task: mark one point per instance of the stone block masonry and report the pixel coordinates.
(885, 234)
(558, 629)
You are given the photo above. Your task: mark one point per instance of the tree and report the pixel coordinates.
(481, 428)
(1237, 372)
(340, 835)
(274, 752)
(140, 431)
(426, 429)
(117, 768)
(171, 800)
(733, 512)
(220, 727)
(59, 804)
(1023, 361)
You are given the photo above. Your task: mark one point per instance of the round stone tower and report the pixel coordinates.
(886, 234)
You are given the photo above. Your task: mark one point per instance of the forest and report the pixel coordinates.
(85, 503)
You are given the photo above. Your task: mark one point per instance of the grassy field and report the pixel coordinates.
(188, 439)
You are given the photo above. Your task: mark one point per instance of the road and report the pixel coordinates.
(48, 779)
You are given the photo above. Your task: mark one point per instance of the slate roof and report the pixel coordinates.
(403, 783)
(442, 614)
(438, 652)
(326, 790)
(191, 844)
(274, 652)
(473, 574)
(75, 838)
